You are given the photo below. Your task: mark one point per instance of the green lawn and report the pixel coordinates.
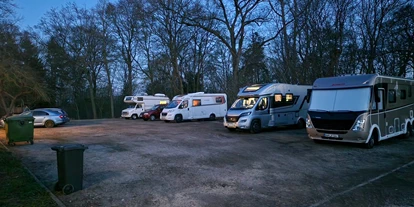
(17, 186)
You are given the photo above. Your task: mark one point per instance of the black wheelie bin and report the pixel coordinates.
(70, 167)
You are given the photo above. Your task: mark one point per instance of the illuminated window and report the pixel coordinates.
(196, 102)
(278, 98)
(289, 97)
(163, 102)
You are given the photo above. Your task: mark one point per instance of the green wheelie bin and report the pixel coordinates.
(19, 128)
(70, 167)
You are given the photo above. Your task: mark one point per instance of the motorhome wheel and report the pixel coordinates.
(300, 124)
(371, 142)
(255, 127)
(178, 118)
(134, 117)
(212, 117)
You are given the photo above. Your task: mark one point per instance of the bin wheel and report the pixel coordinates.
(68, 189)
(31, 142)
(11, 143)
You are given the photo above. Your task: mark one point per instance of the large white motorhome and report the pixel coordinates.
(268, 105)
(139, 104)
(198, 105)
(362, 109)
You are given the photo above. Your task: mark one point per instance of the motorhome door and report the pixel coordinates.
(382, 116)
(262, 111)
(184, 110)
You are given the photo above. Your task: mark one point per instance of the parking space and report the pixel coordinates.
(200, 163)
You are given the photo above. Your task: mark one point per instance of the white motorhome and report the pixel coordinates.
(198, 105)
(268, 105)
(139, 104)
(362, 109)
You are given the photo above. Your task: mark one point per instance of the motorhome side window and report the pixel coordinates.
(220, 99)
(403, 94)
(196, 102)
(184, 104)
(263, 104)
(140, 99)
(286, 100)
(391, 96)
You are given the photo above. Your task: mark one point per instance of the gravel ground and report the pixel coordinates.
(200, 163)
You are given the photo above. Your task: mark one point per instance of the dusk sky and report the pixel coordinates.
(31, 11)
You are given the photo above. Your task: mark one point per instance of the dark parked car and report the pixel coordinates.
(153, 113)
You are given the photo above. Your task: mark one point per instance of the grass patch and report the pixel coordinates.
(17, 186)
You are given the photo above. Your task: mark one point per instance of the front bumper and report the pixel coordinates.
(338, 136)
(242, 123)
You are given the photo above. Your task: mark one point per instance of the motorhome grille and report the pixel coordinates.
(164, 114)
(333, 124)
(232, 118)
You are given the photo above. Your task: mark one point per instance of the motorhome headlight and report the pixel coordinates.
(245, 114)
(309, 123)
(359, 125)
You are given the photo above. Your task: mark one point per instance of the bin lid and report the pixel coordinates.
(68, 147)
(25, 117)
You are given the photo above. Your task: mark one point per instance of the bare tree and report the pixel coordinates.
(126, 17)
(229, 21)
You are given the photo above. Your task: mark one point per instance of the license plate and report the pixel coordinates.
(331, 135)
(231, 125)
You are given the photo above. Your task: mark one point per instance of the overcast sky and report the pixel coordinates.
(31, 11)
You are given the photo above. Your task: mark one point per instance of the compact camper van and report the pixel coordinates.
(360, 109)
(198, 105)
(139, 104)
(268, 105)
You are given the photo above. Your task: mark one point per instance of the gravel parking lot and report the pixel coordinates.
(200, 163)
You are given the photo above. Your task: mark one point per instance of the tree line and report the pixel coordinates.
(86, 60)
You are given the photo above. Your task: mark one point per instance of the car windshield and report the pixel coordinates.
(173, 104)
(355, 99)
(155, 107)
(244, 103)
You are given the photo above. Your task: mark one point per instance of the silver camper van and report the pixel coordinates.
(268, 105)
(362, 109)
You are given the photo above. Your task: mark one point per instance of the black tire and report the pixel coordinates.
(409, 132)
(372, 140)
(134, 117)
(178, 118)
(49, 124)
(68, 189)
(232, 129)
(152, 118)
(145, 119)
(212, 117)
(301, 124)
(255, 126)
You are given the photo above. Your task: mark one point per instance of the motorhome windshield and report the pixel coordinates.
(173, 104)
(133, 105)
(244, 103)
(354, 99)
